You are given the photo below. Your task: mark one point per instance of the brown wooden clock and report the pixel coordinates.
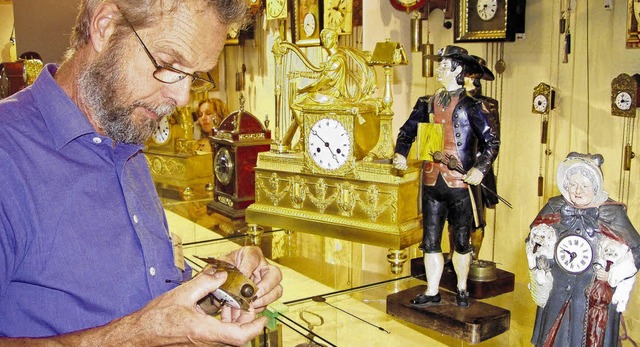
(237, 142)
(307, 22)
(488, 20)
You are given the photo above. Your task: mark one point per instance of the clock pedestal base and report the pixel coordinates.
(474, 324)
(504, 281)
(375, 206)
(185, 174)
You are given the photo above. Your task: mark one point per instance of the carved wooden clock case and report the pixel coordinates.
(237, 142)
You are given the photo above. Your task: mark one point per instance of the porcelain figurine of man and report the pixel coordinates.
(454, 170)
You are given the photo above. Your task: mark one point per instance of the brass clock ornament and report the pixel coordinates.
(543, 99)
(307, 23)
(625, 92)
(338, 15)
(573, 254)
(488, 20)
(276, 9)
(255, 6)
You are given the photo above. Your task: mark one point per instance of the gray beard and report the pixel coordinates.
(101, 86)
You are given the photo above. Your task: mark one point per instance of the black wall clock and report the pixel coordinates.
(488, 20)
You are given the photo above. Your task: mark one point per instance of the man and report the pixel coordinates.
(455, 166)
(85, 254)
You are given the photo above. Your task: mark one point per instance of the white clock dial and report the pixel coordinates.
(309, 24)
(623, 101)
(162, 132)
(337, 11)
(574, 254)
(329, 144)
(540, 103)
(275, 8)
(487, 9)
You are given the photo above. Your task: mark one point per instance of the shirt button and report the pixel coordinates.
(457, 134)
(456, 125)
(135, 218)
(444, 174)
(459, 144)
(152, 271)
(97, 140)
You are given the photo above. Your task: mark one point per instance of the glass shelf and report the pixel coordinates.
(345, 283)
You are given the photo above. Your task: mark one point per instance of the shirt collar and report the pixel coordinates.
(61, 115)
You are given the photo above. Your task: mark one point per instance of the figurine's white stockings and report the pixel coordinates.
(433, 267)
(461, 263)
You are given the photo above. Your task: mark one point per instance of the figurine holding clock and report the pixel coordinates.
(594, 247)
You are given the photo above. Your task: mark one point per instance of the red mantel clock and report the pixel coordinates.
(237, 142)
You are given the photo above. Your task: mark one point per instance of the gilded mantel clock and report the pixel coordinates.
(16, 75)
(625, 94)
(488, 20)
(237, 142)
(176, 166)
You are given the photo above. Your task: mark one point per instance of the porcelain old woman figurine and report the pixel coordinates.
(583, 255)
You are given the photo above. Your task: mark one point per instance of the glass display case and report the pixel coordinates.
(335, 291)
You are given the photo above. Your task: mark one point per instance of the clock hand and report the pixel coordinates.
(572, 255)
(326, 144)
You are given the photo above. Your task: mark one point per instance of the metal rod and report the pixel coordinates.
(301, 327)
(321, 299)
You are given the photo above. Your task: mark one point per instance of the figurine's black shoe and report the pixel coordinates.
(423, 299)
(462, 298)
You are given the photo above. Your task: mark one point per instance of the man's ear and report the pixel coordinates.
(103, 25)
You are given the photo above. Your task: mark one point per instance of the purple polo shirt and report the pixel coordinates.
(83, 236)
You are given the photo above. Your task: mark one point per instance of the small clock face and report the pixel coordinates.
(623, 101)
(574, 254)
(276, 9)
(223, 166)
(163, 131)
(329, 144)
(540, 103)
(309, 24)
(487, 9)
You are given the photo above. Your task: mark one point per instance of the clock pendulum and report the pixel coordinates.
(543, 103)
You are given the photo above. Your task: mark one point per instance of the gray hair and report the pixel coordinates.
(142, 13)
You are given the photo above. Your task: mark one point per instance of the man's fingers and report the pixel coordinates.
(203, 284)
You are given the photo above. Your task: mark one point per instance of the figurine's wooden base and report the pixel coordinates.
(476, 323)
(504, 283)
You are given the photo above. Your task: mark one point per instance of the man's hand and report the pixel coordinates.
(174, 318)
(399, 162)
(473, 177)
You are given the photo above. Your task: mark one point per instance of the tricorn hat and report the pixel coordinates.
(487, 75)
(460, 55)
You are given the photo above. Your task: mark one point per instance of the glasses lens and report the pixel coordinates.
(202, 81)
(166, 75)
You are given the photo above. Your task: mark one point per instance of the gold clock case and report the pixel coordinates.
(175, 166)
(546, 90)
(375, 206)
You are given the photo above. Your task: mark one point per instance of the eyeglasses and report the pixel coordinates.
(168, 74)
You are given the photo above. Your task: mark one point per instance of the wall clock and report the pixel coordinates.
(633, 18)
(543, 99)
(338, 14)
(488, 20)
(407, 5)
(573, 254)
(624, 95)
(276, 9)
(307, 23)
(255, 6)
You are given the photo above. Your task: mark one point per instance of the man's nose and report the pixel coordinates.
(180, 91)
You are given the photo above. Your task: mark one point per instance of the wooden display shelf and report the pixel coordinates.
(476, 323)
